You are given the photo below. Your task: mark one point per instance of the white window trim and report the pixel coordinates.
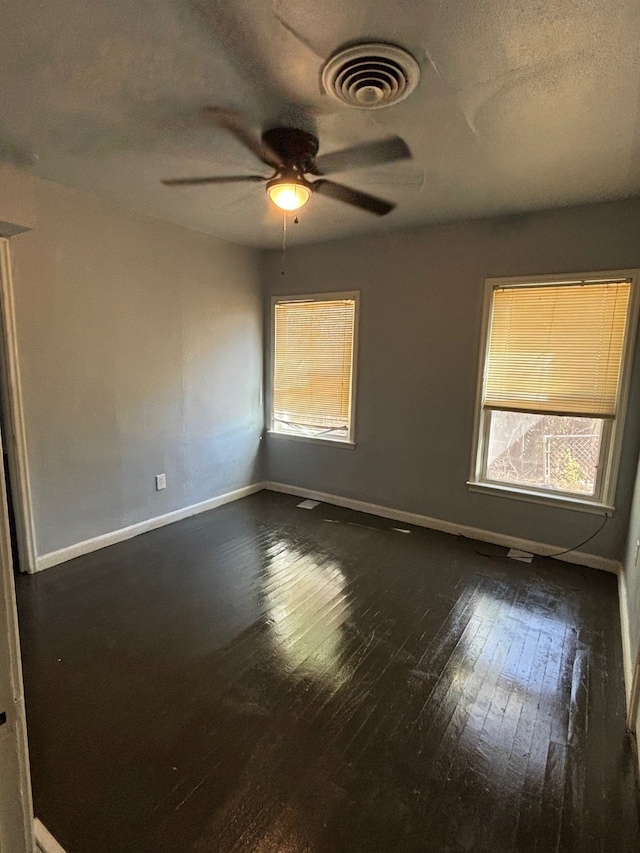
(603, 501)
(314, 439)
(349, 441)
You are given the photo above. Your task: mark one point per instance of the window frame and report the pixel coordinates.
(349, 441)
(603, 499)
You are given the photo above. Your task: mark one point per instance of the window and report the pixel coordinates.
(553, 387)
(314, 343)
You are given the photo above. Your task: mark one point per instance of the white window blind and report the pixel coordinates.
(557, 349)
(313, 362)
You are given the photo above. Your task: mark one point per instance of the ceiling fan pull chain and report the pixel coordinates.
(284, 238)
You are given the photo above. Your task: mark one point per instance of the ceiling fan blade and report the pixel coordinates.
(354, 197)
(233, 123)
(368, 154)
(223, 179)
(405, 178)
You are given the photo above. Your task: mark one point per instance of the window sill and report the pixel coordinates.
(559, 501)
(313, 439)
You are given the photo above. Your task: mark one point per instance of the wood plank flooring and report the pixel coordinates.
(267, 678)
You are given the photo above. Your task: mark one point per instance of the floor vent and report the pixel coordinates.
(370, 76)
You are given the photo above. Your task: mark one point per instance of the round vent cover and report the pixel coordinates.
(370, 76)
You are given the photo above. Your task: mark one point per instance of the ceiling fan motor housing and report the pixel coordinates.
(370, 76)
(296, 147)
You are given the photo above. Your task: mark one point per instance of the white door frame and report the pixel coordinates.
(16, 808)
(16, 804)
(11, 401)
(633, 713)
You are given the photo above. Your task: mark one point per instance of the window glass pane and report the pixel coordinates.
(544, 451)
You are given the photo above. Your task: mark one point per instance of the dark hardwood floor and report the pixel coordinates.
(267, 678)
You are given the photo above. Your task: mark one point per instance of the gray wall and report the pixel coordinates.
(420, 323)
(140, 348)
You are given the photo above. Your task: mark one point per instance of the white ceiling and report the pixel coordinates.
(521, 105)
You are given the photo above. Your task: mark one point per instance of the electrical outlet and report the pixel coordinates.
(637, 551)
(161, 482)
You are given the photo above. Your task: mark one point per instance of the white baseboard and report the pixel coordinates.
(630, 659)
(45, 842)
(54, 558)
(627, 656)
(577, 557)
(581, 558)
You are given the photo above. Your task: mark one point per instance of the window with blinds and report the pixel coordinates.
(557, 349)
(552, 401)
(313, 360)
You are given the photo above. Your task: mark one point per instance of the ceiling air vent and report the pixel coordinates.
(370, 76)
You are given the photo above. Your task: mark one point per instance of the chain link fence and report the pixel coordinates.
(570, 461)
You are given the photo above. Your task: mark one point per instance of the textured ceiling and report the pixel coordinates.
(521, 106)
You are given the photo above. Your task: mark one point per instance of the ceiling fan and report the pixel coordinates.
(291, 153)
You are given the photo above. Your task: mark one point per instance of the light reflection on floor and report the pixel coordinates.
(309, 638)
(512, 663)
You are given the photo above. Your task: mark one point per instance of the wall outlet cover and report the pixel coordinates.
(161, 482)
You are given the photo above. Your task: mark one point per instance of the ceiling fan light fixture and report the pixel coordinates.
(288, 194)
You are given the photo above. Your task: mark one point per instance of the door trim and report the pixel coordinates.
(45, 842)
(16, 829)
(12, 402)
